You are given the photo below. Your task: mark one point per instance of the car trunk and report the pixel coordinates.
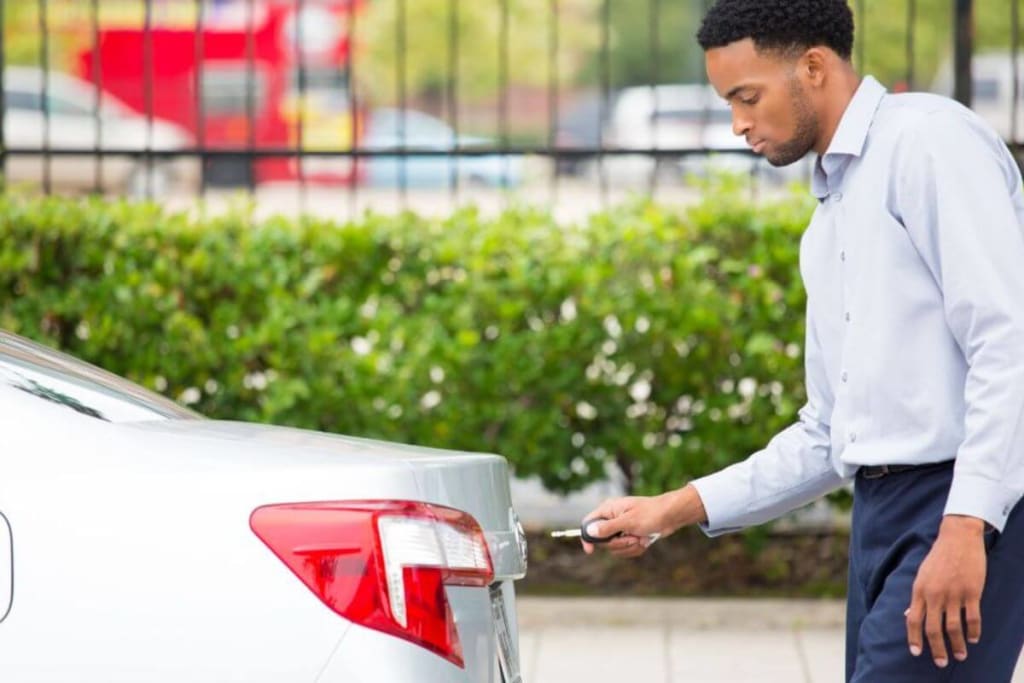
(301, 463)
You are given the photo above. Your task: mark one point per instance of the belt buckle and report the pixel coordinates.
(881, 471)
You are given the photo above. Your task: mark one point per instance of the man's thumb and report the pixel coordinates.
(602, 529)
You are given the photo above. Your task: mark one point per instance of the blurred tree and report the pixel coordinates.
(427, 55)
(883, 29)
(21, 32)
(641, 31)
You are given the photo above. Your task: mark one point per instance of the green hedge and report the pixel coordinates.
(670, 344)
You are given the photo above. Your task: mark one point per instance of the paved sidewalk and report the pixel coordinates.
(611, 640)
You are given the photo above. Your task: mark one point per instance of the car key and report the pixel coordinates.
(582, 533)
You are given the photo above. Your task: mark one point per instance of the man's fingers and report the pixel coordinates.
(933, 631)
(609, 509)
(972, 612)
(627, 547)
(955, 631)
(915, 625)
(622, 543)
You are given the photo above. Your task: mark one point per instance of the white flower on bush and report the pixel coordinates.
(612, 326)
(568, 310)
(190, 396)
(361, 346)
(640, 390)
(748, 387)
(586, 411)
(430, 400)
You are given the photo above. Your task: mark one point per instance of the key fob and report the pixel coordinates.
(595, 539)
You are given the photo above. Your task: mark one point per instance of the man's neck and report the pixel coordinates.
(842, 90)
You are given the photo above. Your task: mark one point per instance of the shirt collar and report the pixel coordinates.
(850, 136)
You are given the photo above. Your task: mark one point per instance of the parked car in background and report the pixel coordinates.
(67, 120)
(389, 130)
(139, 541)
(580, 127)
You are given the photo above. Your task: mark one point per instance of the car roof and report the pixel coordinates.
(61, 84)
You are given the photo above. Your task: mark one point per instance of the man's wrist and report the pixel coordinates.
(963, 524)
(684, 507)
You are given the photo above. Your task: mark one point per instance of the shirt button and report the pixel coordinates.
(853, 437)
(847, 317)
(842, 256)
(844, 376)
(837, 197)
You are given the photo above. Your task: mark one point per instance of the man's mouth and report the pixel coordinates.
(758, 147)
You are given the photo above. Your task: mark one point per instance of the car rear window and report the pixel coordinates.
(58, 378)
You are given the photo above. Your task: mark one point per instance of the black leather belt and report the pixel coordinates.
(879, 471)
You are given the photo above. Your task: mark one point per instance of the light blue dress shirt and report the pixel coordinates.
(914, 268)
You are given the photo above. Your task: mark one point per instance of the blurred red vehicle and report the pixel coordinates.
(202, 80)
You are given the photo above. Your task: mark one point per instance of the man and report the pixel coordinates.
(914, 268)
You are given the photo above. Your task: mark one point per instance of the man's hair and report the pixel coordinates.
(780, 25)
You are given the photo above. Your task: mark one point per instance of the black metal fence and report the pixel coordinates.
(247, 116)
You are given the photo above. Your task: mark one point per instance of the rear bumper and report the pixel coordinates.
(368, 656)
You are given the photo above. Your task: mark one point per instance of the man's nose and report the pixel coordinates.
(740, 124)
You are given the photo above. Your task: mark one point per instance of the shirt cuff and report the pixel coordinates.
(975, 496)
(724, 502)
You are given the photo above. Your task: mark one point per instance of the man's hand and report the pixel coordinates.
(949, 582)
(637, 517)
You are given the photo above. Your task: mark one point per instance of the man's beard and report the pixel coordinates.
(802, 142)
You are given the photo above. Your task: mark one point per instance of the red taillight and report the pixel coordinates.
(382, 564)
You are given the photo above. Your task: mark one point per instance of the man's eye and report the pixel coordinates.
(749, 101)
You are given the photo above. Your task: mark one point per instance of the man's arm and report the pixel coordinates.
(794, 469)
(954, 192)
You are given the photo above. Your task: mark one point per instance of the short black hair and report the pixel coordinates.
(782, 25)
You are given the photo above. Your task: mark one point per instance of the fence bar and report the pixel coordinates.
(553, 88)
(503, 90)
(911, 22)
(300, 130)
(963, 23)
(44, 61)
(250, 86)
(200, 57)
(1014, 66)
(362, 153)
(147, 84)
(453, 102)
(653, 39)
(3, 101)
(861, 34)
(353, 109)
(400, 85)
(97, 79)
(606, 87)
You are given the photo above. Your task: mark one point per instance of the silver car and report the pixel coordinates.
(67, 121)
(141, 542)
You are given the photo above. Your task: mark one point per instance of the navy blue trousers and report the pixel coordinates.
(895, 522)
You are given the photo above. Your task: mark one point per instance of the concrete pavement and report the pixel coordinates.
(611, 640)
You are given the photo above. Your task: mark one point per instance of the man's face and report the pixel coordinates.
(770, 105)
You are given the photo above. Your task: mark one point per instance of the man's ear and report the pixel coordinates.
(812, 66)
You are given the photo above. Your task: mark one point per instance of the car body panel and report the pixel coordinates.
(72, 123)
(132, 553)
(391, 130)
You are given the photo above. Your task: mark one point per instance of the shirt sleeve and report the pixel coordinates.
(958, 194)
(794, 468)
